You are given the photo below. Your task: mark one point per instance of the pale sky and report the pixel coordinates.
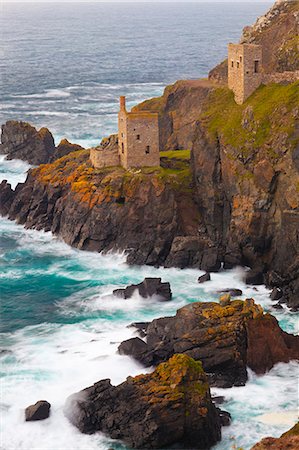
(136, 1)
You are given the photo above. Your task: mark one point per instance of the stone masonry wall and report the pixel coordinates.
(104, 157)
(281, 77)
(143, 140)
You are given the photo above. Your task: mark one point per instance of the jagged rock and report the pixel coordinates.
(64, 148)
(248, 337)
(172, 405)
(287, 441)
(39, 411)
(148, 288)
(277, 306)
(6, 197)
(22, 141)
(204, 278)
(276, 294)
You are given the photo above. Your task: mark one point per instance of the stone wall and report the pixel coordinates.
(281, 77)
(143, 140)
(104, 157)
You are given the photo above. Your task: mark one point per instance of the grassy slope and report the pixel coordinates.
(269, 111)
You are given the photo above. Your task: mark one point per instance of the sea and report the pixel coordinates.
(64, 66)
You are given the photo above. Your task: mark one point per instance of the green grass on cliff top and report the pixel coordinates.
(271, 106)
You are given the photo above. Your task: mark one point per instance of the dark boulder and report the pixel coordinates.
(172, 405)
(226, 339)
(39, 411)
(148, 288)
(22, 141)
(276, 294)
(204, 278)
(6, 197)
(233, 292)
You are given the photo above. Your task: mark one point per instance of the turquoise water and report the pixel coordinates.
(60, 328)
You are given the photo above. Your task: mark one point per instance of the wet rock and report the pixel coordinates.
(277, 306)
(254, 276)
(276, 294)
(148, 288)
(233, 292)
(225, 417)
(39, 411)
(248, 338)
(141, 327)
(6, 197)
(174, 402)
(204, 278)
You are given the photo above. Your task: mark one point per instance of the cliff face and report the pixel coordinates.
(245, 167)
(141, 211)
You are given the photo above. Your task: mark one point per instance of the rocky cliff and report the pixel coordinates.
(227, 338)
(20, 140)
(142, 211)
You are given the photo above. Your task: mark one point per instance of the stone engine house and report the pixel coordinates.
(244, 70)
(137, 142)
(138, 137)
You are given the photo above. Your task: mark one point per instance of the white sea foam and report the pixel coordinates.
(14, 171)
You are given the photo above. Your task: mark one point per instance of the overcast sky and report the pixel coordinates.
(137, 1)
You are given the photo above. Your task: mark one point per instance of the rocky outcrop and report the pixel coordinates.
(287, 441)
(148, 288)
(178, 108)
(39, 411)
(64, 148)
(226, 339)
(20, 140)
(172, 405)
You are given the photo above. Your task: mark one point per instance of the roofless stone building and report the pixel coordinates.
(137, 142)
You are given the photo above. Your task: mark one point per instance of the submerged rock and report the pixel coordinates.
(226, 339)
(39, 411)
(148, 288)
(204, 278)
(172, 405)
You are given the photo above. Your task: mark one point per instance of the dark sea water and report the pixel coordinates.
(63, 66)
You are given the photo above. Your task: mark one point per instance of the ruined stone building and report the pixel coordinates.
(137, 142)
(246, 73)
(244, 69)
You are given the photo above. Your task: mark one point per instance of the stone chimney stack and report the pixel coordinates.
(122, 103)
